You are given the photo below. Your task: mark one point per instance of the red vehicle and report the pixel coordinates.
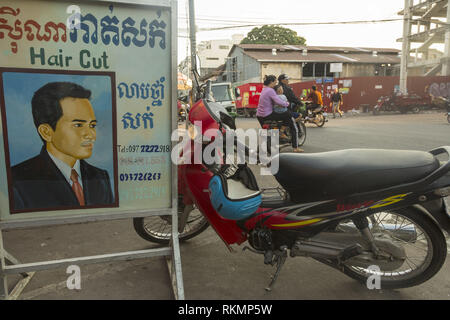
(247, 99)
(402, 103)
(342, 218)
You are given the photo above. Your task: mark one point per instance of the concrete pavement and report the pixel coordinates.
(210, 271)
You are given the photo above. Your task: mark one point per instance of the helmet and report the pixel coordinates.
(232, 199)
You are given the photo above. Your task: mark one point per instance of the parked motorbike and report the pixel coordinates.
(363, 212)
(447, 105)
(182, 115)
(400, 103)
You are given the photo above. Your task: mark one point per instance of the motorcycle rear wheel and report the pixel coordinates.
(414, 274)
(448, 118)
(158, 229)
(320, 120)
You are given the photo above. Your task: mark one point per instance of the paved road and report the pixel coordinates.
(244, 275)
(410, 131)
(210, 271)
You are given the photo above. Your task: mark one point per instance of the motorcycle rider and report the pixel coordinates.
(316, 98)
(265, 111)
(283, 80)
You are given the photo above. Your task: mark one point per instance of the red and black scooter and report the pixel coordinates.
(364, 212)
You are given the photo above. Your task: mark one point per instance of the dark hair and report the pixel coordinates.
(277, 86)
(269, 79)
(314, 87)
(46, 105)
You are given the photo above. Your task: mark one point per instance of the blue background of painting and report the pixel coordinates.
(24, 141)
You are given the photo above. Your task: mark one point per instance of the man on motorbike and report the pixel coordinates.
(316, 97)
(265, 112)
(283, 80)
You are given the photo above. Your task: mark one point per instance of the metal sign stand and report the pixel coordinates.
(9, 265)
(27, 270)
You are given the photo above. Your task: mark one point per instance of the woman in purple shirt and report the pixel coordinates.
(267, 100)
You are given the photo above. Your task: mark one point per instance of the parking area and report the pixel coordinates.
(210, 271)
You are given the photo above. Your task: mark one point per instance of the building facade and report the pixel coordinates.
(251, 62)
(214, 53)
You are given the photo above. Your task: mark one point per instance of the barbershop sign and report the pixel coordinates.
(85, 97)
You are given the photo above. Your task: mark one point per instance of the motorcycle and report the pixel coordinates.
(447, 104)
(318, 116)
(182, 112)
(400, 103)
(181, 115)
(276, 125)
(362, 212)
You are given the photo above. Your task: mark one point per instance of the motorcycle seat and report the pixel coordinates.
(336, 174)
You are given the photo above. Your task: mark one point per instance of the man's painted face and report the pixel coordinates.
(75, 132)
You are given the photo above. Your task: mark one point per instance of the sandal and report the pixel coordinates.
(298, 150)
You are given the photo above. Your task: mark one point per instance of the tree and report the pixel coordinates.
(269, 34)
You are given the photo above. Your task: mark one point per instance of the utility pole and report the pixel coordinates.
(192, 35)
(405, 47)
(446, 62)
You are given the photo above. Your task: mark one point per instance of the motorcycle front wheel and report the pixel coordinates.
(301, 133)
(158, 229)
(415, 109)
(423, 242)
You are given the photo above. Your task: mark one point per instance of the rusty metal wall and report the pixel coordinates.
(367, 90)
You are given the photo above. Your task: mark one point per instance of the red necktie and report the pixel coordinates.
(76, 187)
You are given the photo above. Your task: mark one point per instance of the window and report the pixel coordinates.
(212, 59)
(308, 70)
(234, 68)
(317, 70)
(224, 47)
(222, 93)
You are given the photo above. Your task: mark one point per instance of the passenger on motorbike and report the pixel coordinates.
(265, 111)
(279, 109)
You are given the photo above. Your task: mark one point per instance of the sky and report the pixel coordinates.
(215, 13)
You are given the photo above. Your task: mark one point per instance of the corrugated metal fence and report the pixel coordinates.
(365, 91)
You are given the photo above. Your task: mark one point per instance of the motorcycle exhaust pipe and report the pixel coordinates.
(316, 249)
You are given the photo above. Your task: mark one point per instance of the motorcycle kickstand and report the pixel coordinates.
(279, 261)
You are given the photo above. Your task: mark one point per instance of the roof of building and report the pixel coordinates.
(215, 73)
(296, 53)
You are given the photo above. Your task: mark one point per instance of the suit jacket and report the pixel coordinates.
(39, 184)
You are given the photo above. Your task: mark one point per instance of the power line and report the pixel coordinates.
(302, 24)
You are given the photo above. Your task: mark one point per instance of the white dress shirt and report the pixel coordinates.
(66, 170)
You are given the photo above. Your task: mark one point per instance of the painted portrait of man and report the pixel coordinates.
(60, 175)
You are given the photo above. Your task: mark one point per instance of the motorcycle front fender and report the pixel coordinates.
(196, 186)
